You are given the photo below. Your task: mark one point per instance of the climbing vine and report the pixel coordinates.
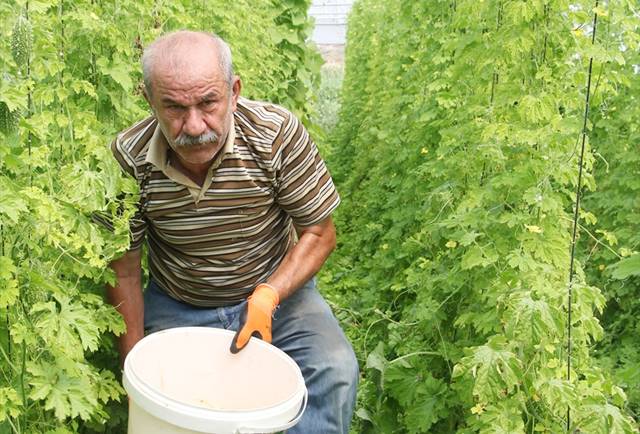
(457, 158)
(70, 81)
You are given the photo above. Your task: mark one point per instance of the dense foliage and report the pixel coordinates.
(70, 81)
(612, 251)
(456, 156)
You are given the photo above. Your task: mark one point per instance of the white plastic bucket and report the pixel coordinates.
(185, 380)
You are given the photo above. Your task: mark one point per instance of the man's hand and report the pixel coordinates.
(314, 245)
(256, 318)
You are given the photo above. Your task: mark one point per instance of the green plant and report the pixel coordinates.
(458, 168)
(71, 80)
(613, 247)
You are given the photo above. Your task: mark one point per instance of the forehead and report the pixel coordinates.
(188, 81)
(189, 66)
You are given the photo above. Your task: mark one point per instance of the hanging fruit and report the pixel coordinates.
(8, 119)
(21, 41)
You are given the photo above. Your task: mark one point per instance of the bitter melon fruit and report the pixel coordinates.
(21, 41)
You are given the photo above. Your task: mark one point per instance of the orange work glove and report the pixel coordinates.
(255, 320)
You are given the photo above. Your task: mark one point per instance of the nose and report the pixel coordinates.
(194, 123)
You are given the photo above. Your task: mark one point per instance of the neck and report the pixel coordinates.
(195, 171)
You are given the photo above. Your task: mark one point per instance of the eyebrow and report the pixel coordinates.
(170, 101)
(209, 96)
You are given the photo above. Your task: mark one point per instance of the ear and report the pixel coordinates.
(236, 86)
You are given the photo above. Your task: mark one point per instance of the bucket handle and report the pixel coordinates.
(292, 422)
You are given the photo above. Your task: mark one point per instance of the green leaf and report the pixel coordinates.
(496, 370)
(419, 393)
(8, 283)
(118, 71)
(502, 417)
(299, 18)
(606, 419)
(108, 388)
(67, 324)
(362, 413)
(11, 204)
(532, 320)
(376, 360)
(627, 267)
(477, 257)
(469, 238)
(87, 192)
(15, 97)
(557, 392)
(64, 394)
(10, 403)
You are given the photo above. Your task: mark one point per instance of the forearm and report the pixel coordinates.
(126, 297)
(301, 262)
(305, 259)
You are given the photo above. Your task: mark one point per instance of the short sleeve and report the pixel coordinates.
(137, 223)
(137, 231)
(304, 188)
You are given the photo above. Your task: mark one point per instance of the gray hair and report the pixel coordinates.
(172, 40)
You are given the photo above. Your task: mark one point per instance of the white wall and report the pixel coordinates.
(331, 20)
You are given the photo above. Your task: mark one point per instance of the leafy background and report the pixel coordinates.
(70, 80)
(456, 154)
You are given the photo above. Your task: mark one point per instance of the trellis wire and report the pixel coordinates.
(577, 210)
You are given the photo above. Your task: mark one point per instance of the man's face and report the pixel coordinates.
(193, 104)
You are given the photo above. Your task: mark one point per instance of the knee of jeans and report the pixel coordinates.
(344, 368)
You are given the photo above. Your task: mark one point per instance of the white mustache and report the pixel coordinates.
(187, 141)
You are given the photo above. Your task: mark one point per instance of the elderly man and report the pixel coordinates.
(236, 207)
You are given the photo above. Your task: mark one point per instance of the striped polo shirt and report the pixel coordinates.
(210, 245)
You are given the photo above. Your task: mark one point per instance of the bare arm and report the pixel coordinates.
(314, 246)
(126, 296)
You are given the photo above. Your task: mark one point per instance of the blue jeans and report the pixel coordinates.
(304, 328)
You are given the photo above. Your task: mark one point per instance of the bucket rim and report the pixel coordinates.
(132, 377)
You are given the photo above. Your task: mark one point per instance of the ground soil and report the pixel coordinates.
(333, 54)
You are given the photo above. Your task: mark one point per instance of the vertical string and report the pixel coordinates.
(63, 60)
(577, 210)
(23, 365)
(29, 100)
(2, 253)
